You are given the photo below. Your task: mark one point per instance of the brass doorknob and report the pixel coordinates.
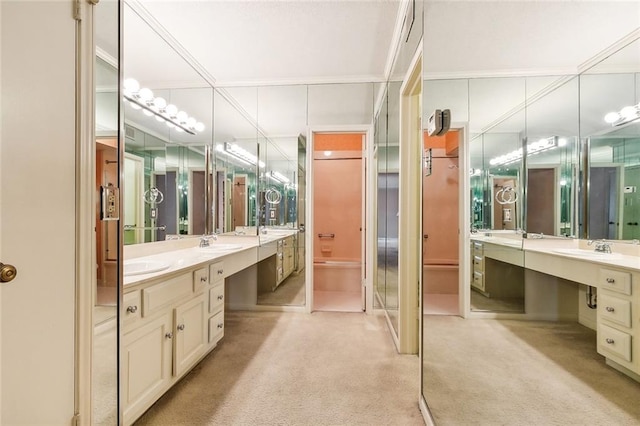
(7, 273)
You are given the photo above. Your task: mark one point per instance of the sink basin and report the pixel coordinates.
(591, 254)
(139, 267)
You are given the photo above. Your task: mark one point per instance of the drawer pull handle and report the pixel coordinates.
(609, 309)
(220, 271)
(203, 279)
(169, 335)
(220, 297)
(220, 325)
(610, 280)
(180, 327)
(132, 309)
(610, 341)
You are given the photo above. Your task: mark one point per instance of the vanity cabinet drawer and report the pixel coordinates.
(216, 272)
(131, 307)
(216, 327)
(477, 248)
(478, 263)
(216, 299)
(614, 342)
(200, 279)
(615, 310)
(162, 295)
(478, 280)
(615, 281)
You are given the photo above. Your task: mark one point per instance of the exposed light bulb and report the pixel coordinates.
(628, 112)
(199, 127)
(160, 103)
(171, 110)
(191, 123)
(562, 142)
(131, 85)
(563, 182)
(146, 94)
(182, 117)
(612, 117)
(327, 153)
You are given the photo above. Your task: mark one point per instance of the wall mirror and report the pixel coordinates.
(164, 160)
(282, 119)
(552, 161)
(613, 140)
(236, 170)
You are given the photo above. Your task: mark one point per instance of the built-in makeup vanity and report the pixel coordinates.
(173, 310)
(559, 274)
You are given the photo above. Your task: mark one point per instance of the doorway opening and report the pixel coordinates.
(339, 190)
(440, 213)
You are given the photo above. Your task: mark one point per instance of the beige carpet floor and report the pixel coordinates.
(497, 372)
(290, 292)
(275, 368)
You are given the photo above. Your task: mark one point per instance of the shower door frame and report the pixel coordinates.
(368, 208)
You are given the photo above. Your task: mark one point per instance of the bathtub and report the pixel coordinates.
(335, 275)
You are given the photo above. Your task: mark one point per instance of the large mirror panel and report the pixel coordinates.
(282, 119)
(608, 122)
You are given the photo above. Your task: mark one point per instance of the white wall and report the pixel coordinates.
(37, 211)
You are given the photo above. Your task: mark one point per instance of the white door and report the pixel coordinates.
(37, 211)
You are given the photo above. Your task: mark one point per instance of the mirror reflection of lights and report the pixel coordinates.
(563, 182)
(242, 155)
(533, 148)
(626, 115)
(142, 98)
(327, 153)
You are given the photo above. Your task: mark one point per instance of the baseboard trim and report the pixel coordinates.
(266, 308)
(426, 413)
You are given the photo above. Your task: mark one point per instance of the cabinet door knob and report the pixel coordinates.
(611, 280)
(609, 309)
(610, 341)
(169, 335)
(132, 309)
(180, 327)
(203, 279)
(220, 297)
(220, 325)
(220, 271)
(7, 273)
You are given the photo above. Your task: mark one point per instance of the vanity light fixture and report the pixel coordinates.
(240, 154)
(278, 177)
(142, 98)
(626, 115)
(533, 148)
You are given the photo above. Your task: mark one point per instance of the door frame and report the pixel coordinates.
(367, 235)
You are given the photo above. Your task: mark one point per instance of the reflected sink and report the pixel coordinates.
(592, 254)
(139, 267)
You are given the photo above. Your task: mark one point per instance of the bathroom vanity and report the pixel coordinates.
(558, 273)
(174, 315)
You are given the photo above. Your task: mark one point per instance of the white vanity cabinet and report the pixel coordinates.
(168, 332)
(215, 317)
(477, 266)
(618, 318)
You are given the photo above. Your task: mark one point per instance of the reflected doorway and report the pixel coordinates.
(440, 216)
(338, 222)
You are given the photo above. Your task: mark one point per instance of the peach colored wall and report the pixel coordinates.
(440, 211)
(337, 209)
(449, 142)
(337, 141)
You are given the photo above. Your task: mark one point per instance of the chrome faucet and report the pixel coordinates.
(205, 239)
(602, 246)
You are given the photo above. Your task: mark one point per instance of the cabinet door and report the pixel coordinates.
(190, 333)
(146, 365)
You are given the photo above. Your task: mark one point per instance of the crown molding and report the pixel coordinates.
(312, 81)
(609, 51)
